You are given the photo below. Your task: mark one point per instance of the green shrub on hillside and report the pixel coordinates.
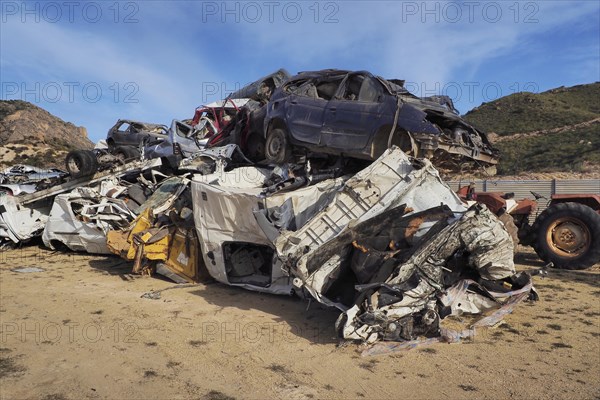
(529, 112)
(564, 151)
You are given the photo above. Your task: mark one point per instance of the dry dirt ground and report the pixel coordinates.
(81, 329)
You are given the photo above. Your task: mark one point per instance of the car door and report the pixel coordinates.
(304, 113)
(183, 134)
(135, 135)
(122, 135)
(354, 115)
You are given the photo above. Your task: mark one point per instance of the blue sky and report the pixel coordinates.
(92, 63)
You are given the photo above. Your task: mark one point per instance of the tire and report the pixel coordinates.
(81, 163)
(255, 148)
(382, 142)
(126, 154)
(402, 139)
(277, 147)
(111, 145)
(568, 235)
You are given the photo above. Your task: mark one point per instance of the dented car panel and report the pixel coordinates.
(81, 219)
(405, 304)
(183, 263)
(235, 248)
(21, 222)
(390, 181)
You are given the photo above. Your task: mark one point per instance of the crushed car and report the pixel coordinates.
(357, 114)
(24, 215)
(21, 178)
(186, 138)
(80, 220)
(377, 245)
(162, 239)
(124, 143)
(132, 133)
(244, 127)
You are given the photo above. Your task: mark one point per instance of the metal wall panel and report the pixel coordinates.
(578, 186)
(523, 189)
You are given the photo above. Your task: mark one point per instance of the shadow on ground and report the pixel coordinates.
(113, 265)
(309, 320)
(587, 276)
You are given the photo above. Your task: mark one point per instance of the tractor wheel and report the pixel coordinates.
(81, 163)
(277, 148)
(568, 235)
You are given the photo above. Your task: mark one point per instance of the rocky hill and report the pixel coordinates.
(553, 131)
(31, 135)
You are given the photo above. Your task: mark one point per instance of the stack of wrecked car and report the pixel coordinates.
(322, 186)
(391, 246)
(81, 204)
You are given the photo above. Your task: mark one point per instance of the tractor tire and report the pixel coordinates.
(126, 154)
(277, 147)
(568, 235)
(81, 163)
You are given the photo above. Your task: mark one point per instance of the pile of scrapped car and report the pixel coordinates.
(321, 185)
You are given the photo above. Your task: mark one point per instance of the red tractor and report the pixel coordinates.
(566, 233)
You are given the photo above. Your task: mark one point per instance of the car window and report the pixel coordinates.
(327, 89)
(361, 88)
(313, 88)
(293, 87)
(124, 128)
(370, 91)
(352, 87)
(183, 130)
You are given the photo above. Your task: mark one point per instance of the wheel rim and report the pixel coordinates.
(569, 237)
(275, 146)
(74, 166)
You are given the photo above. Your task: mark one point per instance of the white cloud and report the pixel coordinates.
(53, 54)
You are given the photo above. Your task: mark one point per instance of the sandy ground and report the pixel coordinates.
(80, 329)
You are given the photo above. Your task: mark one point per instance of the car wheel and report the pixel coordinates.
(277, 148)
(404, 141)
(126, 154)
(255, 147)
(111, 145)
(81, 163)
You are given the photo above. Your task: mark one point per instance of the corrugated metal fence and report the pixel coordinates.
(523, 189)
